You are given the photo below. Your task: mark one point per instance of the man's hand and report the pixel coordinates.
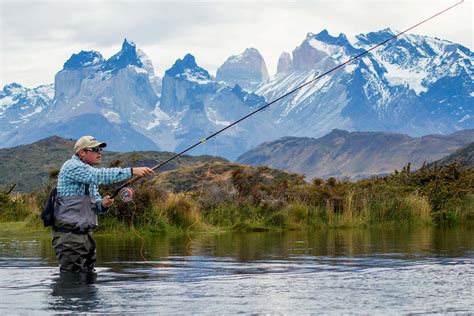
(107, 201)
(143, 171)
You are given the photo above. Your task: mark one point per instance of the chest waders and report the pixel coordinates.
(75, 220)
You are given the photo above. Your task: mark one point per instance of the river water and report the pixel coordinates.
(388, 270)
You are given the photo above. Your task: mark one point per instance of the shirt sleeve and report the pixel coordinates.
(84, 173)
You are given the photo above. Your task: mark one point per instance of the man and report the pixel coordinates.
(78, 203)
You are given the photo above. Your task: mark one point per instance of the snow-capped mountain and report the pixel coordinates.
(247, 69)
(19, 106)
(415, 85)
(195, 105)
(107, 98)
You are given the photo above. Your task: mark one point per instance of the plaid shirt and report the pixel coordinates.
(75, 174)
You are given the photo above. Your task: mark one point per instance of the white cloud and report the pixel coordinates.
(37, 37)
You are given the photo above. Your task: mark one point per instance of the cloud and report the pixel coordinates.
(35, 46)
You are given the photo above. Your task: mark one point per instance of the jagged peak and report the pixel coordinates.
(324, 36)
(246, 54)
(377, 36)
(388, 30)
(189, 61)
(185, 66)
(284, 62)
(13, 88)
(83, 59)
(125, 57)
(128, 44)
(251, 51)
(12, 85)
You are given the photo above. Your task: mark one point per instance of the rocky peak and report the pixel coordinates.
(125, 57)
(12, 88)
(376, 37)
(285, 63)
(83, 59)
(305, 56)
(187, 69)
(247, 69)
(341, 40)
(186, 85)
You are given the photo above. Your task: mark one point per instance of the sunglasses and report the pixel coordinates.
(94, 149)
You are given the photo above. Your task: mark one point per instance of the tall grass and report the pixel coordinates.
(255, 199)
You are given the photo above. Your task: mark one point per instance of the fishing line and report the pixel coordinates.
(133, 180)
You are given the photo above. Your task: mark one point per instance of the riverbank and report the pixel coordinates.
(259, 199)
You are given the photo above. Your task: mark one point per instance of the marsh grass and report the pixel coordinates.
(257, 199)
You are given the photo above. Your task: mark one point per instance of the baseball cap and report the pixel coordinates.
(87, 142)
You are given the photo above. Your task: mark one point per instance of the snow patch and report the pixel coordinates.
(6, 102)
(212, 116)
(413, 77)
(139, 70)
(111, 116)
(36, 111)
(159, 116)
(107, 100)
(323, 47)
(350, 68)
(194, 77)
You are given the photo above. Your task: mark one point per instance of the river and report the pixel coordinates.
(362, 271)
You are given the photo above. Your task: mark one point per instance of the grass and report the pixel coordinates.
(258, 199)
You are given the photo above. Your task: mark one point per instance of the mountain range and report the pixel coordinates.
(355, 155)
(415, 85)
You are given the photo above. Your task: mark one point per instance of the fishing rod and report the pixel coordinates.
(126, 193)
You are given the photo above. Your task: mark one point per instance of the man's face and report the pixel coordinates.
(91, 156)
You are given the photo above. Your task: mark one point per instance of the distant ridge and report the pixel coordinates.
(354, 154)
(463, 156)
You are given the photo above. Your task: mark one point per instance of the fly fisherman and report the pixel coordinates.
(78, 203)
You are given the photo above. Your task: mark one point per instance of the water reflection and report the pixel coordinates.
(396, 242)
(74, 292)
(392, 270)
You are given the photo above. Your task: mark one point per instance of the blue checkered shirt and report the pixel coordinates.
(75, 174)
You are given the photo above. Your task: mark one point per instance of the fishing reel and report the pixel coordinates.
(126, 194)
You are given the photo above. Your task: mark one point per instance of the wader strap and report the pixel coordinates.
(86, 190)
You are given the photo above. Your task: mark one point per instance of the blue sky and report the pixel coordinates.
(38, 36)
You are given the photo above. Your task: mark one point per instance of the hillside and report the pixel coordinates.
(218, 174)
(464, 156)
(29, 166)
(355, 155)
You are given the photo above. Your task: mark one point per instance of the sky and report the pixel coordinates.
(37, 36)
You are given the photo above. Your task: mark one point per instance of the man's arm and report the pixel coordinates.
(81, 172)
(84, 173)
